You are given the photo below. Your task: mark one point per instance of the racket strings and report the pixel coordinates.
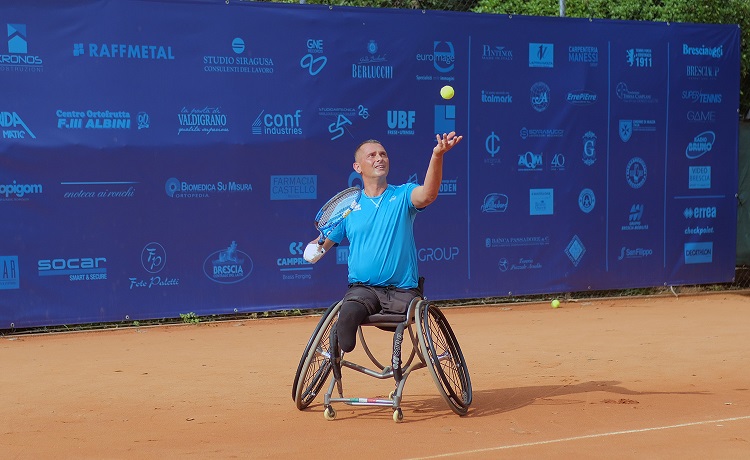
(337, 205)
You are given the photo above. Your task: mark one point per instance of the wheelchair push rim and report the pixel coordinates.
(444, 359)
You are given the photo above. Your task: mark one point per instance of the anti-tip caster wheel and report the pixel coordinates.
(398, 415)
(391, 394)
(330, 413)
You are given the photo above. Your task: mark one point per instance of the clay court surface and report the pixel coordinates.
(655, 378)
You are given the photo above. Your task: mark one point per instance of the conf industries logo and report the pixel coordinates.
(278, 124)
(18, 58)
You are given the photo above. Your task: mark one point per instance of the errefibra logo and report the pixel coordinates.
(581, 97)
(373, 65)
(140, 51)
(92, 119)
(238, 60)
(228, 266)
(278, 124)
(153, 261)
(541, 55)
(75, 268)
(10, 276)
(176, 188)
(203, 120)
(314, 60)
(18, 192)
(13, 126)
(18, 58)
(401, 122)
(700, 145)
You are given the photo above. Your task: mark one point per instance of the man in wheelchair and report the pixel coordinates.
(383, 274)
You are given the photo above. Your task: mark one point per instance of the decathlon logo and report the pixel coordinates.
(699, 253)
(701, 144)
(228, 266)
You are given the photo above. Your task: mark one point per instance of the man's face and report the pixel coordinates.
(372, 161)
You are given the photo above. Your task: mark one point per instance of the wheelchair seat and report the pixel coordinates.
(434, 346)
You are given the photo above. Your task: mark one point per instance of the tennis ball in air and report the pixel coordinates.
(555, 303)
(447, 92)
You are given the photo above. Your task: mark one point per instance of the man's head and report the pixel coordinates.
(371, 159)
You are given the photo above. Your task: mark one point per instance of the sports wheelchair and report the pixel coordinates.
(434, 346)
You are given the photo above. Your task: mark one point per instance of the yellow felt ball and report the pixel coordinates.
(555, 303)
(447, 92)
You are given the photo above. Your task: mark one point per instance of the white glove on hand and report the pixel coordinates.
(313, 252)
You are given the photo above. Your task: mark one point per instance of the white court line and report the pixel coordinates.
(577, 438)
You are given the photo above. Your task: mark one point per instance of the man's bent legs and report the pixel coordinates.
(351, 315)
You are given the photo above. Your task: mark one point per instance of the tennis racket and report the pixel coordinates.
(329, 217)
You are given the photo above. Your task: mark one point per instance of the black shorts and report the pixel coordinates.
(386, 299)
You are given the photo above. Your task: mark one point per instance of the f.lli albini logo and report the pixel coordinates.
(17, 58)
(228, 266)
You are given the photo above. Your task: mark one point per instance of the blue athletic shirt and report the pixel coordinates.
(382, 251)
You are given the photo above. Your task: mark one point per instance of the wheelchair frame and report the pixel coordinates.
(434, 345)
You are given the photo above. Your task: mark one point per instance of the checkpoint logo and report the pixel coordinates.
(18, 58)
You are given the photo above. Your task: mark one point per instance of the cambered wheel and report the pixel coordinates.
(315, 365)
(444, 358)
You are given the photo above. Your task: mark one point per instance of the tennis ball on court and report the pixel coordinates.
(447, 92)
(555, 303)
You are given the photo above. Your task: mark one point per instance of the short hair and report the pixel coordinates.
(368, 141)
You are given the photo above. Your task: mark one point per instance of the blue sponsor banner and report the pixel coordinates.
(147, 172)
